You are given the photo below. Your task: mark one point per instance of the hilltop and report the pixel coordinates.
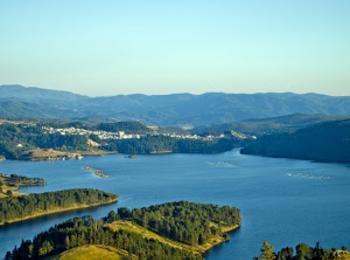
(168, 110)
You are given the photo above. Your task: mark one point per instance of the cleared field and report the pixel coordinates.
(95, 252)
(197, 249)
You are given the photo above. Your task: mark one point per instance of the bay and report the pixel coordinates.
(284, 201)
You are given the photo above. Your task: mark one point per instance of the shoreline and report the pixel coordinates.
(226, 230)
(223, 240)
(57, 211)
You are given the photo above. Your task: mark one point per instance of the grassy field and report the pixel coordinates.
(95, 252)
(197, 249)
(4, 189)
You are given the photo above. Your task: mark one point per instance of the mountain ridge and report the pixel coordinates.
(171, 109)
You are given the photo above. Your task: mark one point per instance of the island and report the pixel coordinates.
(9, 184)
(174, 230)
(96, 171)
(24, 207)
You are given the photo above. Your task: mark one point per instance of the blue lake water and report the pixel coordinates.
(281, 200)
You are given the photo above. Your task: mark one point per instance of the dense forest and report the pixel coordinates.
(325, 142)
(163, 144)
(18, 140)
(86, 230)
(15, 140)
(126, 126)
(302, 251)
(15, 208)
(169, 219)
(181, 221)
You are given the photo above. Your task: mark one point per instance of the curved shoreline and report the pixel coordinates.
(56, 211)
(225, 230)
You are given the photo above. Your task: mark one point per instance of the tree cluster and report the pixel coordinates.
(182, 221)
(157, 144)
(32, 136)
(18, 180)
(85, 230)
(302, 251)
(28, 205)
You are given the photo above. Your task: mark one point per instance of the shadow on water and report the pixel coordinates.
(222, 247)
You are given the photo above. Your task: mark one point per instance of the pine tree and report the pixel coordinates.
(267, 252)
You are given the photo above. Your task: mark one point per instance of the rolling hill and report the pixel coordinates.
(174, 109)
(325, 142)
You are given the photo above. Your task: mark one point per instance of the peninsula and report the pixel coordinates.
(9, 184)
(24, 207)
(175, 230)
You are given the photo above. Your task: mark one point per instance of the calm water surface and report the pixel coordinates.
(283, 201)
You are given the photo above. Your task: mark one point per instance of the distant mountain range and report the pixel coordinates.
(175, 109)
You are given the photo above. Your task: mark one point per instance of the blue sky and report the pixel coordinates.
(156, 47)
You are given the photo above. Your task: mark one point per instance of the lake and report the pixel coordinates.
(284, 201)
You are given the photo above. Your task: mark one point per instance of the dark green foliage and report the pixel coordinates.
(127, 126)
(31, 136)
(81, 231)
(160, 144)
(326, 142)
(182, 221)
(259, 127)
(24, 206)
(302, 252)
(169, 219)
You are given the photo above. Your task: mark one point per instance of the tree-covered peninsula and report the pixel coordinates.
(9, 184)
(177, 230)
(18, 208)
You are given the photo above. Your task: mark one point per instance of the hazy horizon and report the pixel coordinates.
(107, 48)
(172, 93)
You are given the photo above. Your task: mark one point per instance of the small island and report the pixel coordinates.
(24, 207)
(97, 172)
(9, 184)
(175, 230)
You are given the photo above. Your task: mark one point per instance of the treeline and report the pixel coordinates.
(96, 124)
(182, 221)
(86, 230)
(22, 207)
(302, 251)
(17, 139)
(160, 144)
(325, 142)
(126, 126)
(18, 180)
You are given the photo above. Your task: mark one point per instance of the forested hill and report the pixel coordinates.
(175, 230)
(262, 126)
(174, 109)
(325, 142)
